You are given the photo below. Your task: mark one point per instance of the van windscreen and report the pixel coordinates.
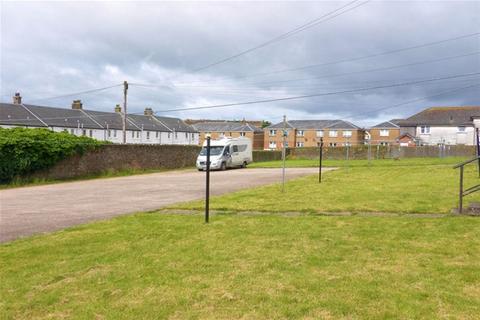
(214, 150)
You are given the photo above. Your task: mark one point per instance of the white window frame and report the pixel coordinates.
(461, 129)
(347, 133)
(425, 129)
(148, 135)
(332, 144)
(242, 134)
(384, 132)
(272, 144)
(320, 133)
(332, 133)
(300, 144)
(300, 133)
(273, 132)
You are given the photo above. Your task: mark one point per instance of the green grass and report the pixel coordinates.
(153, 266)
(403, 186)
(299, 163)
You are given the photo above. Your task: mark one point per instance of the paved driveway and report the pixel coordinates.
(30, 210)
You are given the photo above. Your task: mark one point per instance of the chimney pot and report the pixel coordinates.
(148, 112)
(77, 105)
(17, 98)
(118, 109)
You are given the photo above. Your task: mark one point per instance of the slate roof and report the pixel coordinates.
(226, 126)
(443, 116)
(391, 124)
(315, 124)
(11, 114)
(41, 116)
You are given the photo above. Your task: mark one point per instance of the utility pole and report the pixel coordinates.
(124, 126)
(284, 135)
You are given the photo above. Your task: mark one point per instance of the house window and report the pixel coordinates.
(332, 144)
(138, 134)
(272, 145)
(425, 129)
(383, 143)
(148, 134)
(114, 133)
(72, 131)
(347, 144)
(299, 144)
(84, 132)
(222, 134)
(333, 133)
(242, 134)
(384, 133)
(176, 135)
(461, 129)
(319, 133)
(90, 133)
(157, 134)
(186, 135)
(273, 132)
(109, 133)
(169, 135)
(300, 133)
(133, 134)
(347, 133)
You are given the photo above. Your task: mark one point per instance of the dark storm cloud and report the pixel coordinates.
(49, 49)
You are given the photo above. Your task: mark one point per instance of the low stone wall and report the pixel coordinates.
(121, 157)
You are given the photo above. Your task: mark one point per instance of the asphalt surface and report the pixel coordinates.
(32, 210)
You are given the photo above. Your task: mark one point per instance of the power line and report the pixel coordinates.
(362, 57)
(78, 93)
(310, 24)
(317, 94)
(361, 71)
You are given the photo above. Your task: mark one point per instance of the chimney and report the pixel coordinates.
(118, 109)
(17, 98)
(77, 105)
(148, 112)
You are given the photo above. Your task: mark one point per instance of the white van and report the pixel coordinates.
(226, 153)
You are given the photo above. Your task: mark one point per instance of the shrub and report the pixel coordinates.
(23, 151)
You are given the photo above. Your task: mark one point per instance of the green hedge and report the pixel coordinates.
(23, 151)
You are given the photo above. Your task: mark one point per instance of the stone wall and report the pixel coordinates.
(111, 158)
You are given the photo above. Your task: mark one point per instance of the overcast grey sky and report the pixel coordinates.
(52, 48)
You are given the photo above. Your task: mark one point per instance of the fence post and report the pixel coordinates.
(460, 194)
(207, 192)
(320, 161)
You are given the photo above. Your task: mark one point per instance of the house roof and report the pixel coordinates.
(443, 116)
(41, 116)
(391, 124)
(315, 124)
(236, 126)
(12, 114)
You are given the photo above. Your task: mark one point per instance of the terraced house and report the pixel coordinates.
(107, 126)
(307, 133)
(234, 129)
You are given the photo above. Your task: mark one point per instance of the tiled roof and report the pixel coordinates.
(226, 126)
(443, 116)
(391, 124)
(316, 124)
(40, 116)
(12, 114)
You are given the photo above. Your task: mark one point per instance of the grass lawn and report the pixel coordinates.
(153, 266)
(403, 186)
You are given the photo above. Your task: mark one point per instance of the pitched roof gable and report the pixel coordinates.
(443, 116)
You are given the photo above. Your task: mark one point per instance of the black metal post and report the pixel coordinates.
(478, 150)
(207, 194)
(460, 199)
(320, 161)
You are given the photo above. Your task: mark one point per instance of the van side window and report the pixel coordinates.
(235, 148)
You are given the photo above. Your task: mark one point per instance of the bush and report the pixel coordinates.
(23, 151)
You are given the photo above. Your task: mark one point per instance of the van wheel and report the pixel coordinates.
(223, 167)
(200, 169)
(244, 164)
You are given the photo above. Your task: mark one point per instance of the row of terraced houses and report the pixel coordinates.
(433, 126)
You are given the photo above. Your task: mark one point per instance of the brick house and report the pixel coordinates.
(385, 133)
(234, 129)
(307, 133)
